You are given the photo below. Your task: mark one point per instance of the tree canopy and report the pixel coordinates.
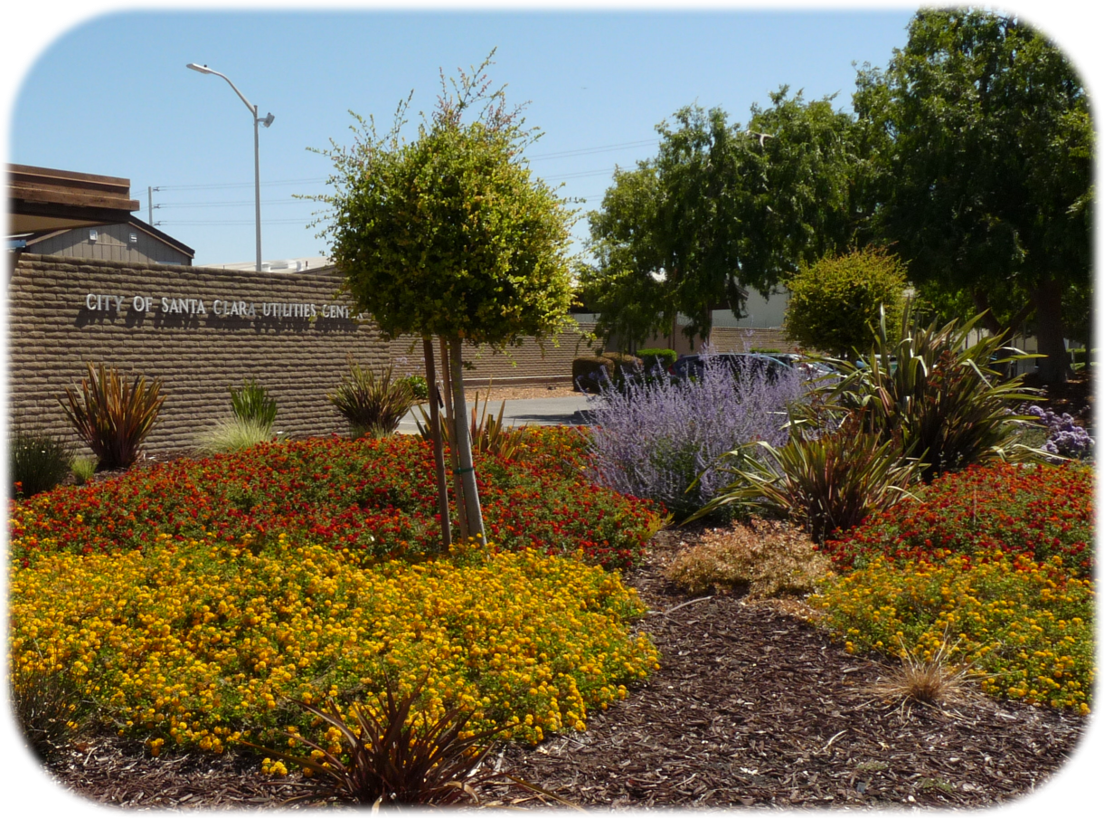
(970, 155)
(721, 209)
(450, 235)
(987, 161)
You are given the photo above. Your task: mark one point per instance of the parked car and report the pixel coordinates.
(862, 364)
(812, 369)
(740, 363)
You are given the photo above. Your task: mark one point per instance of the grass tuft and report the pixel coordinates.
(931, 681)
(38, 461)
(48, 709)
(234, 435)
(83, 469)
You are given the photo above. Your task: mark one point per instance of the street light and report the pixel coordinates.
(257, 121)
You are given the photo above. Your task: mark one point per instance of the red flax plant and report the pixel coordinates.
(111, 416)
(392, 759)
(829, 482)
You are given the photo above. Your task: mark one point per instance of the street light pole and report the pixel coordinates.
(257, 121)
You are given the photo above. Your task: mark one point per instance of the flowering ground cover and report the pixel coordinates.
(376, 498)
(1038, 511)
(193, 601)
(190, 641)
(201, 643)
(1026, 627)
(995, 563)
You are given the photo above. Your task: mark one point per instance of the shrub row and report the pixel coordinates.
(591, 373)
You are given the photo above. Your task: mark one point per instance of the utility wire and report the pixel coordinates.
(322, 180)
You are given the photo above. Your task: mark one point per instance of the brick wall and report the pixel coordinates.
(745, 339)
(527, 364)
(64, 312)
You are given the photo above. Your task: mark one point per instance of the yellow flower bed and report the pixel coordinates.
(1028, 626)
(204, 643)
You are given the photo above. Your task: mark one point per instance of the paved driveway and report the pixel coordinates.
(536, 412)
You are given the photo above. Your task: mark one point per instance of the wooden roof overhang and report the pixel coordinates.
(43, 199)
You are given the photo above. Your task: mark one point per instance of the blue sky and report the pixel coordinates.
(111, 94)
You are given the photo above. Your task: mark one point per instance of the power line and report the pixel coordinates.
(322, 180)
(603, 149)
(243, 202)
(229, 185)
(249, 202)
(220, 222)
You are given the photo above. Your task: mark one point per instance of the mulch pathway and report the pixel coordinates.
(753, 707)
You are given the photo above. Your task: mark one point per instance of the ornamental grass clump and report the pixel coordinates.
(83, 469)
(252, 405)
(489, 434)
(49, 709)
(396, 762)
(233, 435)
(373, 404)
(660, 439)
(939, 398)
(828, 482)
(931, 680)
(112, 416)
(391, 753)
(37, 461)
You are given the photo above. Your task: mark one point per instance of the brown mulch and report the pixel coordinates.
(753, 706)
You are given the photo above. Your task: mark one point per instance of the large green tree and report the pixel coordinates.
(450, 235)
(722, 209)
(986, 190)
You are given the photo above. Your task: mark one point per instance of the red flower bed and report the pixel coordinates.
(1038, 511)
(375, 496)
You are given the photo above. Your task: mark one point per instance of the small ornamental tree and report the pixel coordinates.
(835, 303)
(450, 235)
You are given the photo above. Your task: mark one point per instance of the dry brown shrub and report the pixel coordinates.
(765, 558)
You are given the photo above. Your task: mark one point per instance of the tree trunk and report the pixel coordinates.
(454, 461)
(438, 445)
(462, 443)
(990, 322)
(1050, 332)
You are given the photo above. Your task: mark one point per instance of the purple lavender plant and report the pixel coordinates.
(652, 437)
(1064, 437)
